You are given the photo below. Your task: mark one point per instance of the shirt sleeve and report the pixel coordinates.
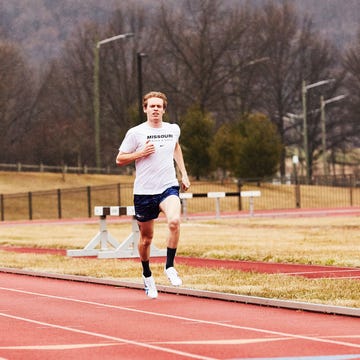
(177, 131)
(128, 145)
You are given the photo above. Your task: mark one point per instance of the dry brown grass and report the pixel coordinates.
(341, 292)
(17, 182)
(323, 241)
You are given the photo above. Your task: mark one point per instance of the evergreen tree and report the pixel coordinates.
(223, 149)
(197, 136)
(258, 149)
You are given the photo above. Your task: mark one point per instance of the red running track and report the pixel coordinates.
(44, 318)
(309, 271)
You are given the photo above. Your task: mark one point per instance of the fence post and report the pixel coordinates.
(89, 200)
(297, 195)
(2, 207)
(119, 194)
(30, 205)
(239, 185)
(59, 203)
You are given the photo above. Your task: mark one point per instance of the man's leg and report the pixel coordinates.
(171, 207)
(146, 236)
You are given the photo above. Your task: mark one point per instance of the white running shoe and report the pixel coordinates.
(150, 287)
(173, 276)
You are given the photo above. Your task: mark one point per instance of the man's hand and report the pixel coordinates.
(127, 158)
(148, 149)
(185, 183)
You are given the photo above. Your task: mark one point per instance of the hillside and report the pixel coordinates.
(41, 27)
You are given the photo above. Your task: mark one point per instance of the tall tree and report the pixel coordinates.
(119, 74)
(296, 53)
(197, 135)
(351, 64)
(259, 147)
(17, 94)
(71, 88)
(67, 103)
(223, 149)
(195, 44)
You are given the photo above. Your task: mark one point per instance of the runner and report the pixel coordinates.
(154, 145)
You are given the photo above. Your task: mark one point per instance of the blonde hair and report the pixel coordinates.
(156, 94)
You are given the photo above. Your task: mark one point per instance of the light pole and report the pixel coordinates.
(323, 126)
(304, 89)
(292, 119)
(97, 92)
(241, 81)
(140, 55)
(256, 61)
(295, 161)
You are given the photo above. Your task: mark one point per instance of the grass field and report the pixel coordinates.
(323, 241)
(17, 182)
(51, 195)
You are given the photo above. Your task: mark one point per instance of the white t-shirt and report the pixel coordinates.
(154, 173)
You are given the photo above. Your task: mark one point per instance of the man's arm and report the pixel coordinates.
(123, 159)
(179, 159)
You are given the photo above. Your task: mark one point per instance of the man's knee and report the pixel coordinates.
(145, 241)
(174, 224)
(145, 238)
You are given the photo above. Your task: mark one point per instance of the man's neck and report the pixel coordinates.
(157, 123)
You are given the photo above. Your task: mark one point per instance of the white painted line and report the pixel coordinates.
(252, 193)
(98, 211)
(130, 210)
(216, 194)
(341, 277)
(182, 318)
(186, 195)
(114, 211)
(205, 294)
(58, 347)
(322, 272)
(227, 342)
(108, 337)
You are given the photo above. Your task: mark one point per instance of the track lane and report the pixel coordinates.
(75, 320)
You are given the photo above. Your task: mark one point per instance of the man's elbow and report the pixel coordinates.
(122, 160)
(119, 161)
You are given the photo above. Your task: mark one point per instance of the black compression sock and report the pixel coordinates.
(170, 256)
(146, 268)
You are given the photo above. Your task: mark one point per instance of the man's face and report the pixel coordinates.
(155, 109)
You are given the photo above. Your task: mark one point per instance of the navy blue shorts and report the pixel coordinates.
(147, 207)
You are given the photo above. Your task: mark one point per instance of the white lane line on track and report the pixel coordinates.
(182, 318)
(113, 338)
(57, 347)
(342, 271)
(225, 342)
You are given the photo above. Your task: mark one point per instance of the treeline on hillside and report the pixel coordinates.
(237, 70)
(41, 27)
